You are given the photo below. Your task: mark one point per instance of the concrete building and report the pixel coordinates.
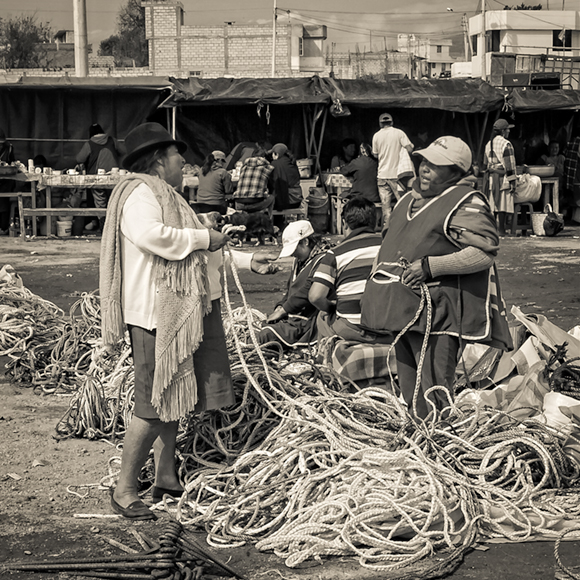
(544, 43)
(229, 50)
(429, 57)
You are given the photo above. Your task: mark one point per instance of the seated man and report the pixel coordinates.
(293, 322)
(255, 189)
(343, 272)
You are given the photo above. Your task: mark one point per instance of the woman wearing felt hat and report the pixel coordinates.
(159, 279)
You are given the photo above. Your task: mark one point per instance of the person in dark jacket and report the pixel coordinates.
(99, 152)
(443, 235)
(286, 177)
(363, 172)
(6, 156)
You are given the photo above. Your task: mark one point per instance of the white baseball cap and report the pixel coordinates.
(448, 150)
(292, 235)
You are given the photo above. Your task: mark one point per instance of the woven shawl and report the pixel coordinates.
(183, 297)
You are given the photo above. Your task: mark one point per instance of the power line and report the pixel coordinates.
(390, 14)
(364, 30)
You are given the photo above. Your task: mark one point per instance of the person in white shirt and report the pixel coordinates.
(159, 278)
(387, 145)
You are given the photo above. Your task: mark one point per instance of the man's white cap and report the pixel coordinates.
(448, 150)
(292, 234)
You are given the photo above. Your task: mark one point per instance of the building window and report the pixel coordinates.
(439, 49)
(474, 45)
(433, 65)
(561, 39)
(194, 73)
(495, 41)
(300, 46)
(443, 67)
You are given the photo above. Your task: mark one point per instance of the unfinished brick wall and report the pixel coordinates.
(213, 51)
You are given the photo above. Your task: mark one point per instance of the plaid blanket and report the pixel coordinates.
(254, 177)
(357, 361)
(572, 158)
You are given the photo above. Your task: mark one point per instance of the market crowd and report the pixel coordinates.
(412, 281)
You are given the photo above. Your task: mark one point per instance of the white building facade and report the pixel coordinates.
(525, 42)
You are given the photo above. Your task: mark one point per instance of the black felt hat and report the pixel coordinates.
(146, 138)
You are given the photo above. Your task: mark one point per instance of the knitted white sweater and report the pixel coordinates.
(143, 236)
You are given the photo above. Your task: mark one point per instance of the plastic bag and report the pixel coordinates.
(553, 223)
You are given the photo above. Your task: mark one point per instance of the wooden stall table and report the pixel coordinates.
(337, 185)
(21, 177)
(107, 181)
(551, 185)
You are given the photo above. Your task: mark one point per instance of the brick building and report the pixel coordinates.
(229, 49)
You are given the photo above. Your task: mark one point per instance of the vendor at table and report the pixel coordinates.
(6, 156)
(363, 172)
(346, 154)
(215, 183)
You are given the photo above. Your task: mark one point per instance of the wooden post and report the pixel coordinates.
(80, 31)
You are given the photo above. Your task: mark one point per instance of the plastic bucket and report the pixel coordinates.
(304, 167)
(64, 228)
(318, 209)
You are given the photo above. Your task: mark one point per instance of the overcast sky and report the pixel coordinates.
(376, 20)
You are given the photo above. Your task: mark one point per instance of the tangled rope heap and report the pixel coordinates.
(308, 466)
(352, 474)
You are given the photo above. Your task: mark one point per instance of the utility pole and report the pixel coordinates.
(274, 41)
(80, 30)
(332, 60)
(465, 37)
(484, 51)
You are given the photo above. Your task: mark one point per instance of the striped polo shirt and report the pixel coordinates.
(346, 268)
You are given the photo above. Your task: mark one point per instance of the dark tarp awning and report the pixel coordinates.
(288, 110)
(458, 95)
(526, 101)
(93, 83)
(226, 91)
(51, 115)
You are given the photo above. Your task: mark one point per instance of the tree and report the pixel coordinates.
(523, 6)
(21, 42)
(128, 45)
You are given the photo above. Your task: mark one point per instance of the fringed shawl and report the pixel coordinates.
(182, 302)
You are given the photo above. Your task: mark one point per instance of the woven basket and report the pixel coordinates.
(538, 220)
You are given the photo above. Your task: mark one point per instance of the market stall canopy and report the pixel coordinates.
(93, 83)
(51, 115)
(227, 91)
(526, 101)
(459, 95)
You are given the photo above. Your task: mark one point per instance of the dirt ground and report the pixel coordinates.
(45, 483)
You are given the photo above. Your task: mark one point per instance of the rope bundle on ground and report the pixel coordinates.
(308, 466)
(47, 349)
(383, 488)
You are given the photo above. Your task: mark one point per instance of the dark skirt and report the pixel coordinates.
(210, 362)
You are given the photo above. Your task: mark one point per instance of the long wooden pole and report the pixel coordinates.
(274, 41)
(80, 32)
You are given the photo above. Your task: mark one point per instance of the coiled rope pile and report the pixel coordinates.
(352, 474)
(306, 467)
(47, 349)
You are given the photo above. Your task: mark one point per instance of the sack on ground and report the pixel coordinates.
(553, 224)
